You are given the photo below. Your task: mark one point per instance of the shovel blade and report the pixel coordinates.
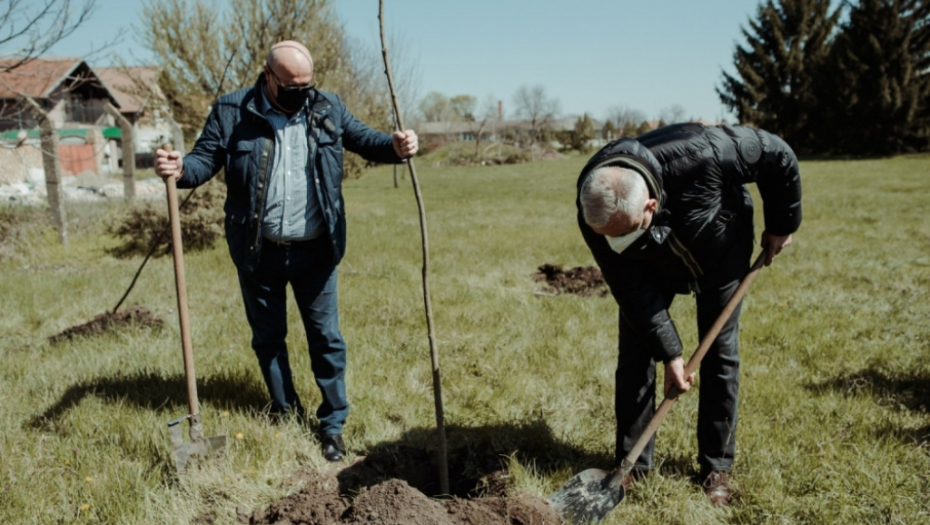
(215, 443)
(182, 450)
(587, 497)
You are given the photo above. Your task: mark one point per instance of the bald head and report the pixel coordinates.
(290, 58)
(288, 76)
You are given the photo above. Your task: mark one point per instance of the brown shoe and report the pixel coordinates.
(717, 488)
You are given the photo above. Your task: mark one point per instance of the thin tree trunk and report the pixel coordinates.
(442, 460)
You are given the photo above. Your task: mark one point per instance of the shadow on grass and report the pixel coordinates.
(908, 391)
(477, 459)
(155, 392)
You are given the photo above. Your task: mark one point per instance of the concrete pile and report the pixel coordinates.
(85, 187)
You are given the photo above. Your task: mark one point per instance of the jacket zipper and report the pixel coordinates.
(679, 249)
(264, 168)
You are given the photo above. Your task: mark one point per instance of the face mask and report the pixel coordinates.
(618, 244)
(291, 99)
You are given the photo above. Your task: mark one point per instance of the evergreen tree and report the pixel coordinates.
(582, 134)
(876, 86)
(609, 131)
(772, 89)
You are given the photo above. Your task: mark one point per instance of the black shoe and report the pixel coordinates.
(333, 447)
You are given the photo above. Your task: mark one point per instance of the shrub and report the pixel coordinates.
(146, 224)
(462, 153)
(19, 224)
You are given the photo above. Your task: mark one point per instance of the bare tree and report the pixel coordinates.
(532, 104)
(463, 106)
(625, 119)
(434, 107)
(28, 28)
(195, 40)
(479, 124)
(370, 68)
(672, 114)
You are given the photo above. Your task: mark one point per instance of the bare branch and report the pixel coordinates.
(29, 29)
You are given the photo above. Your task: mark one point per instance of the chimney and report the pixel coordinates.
(500, 110)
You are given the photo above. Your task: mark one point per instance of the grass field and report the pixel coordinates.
(835, 343)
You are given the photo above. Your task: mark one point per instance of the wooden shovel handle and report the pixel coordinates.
(177, 251)
(626, 466)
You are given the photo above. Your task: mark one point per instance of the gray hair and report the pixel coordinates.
(610, 190)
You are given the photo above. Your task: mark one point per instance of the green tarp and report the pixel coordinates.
(112, 132)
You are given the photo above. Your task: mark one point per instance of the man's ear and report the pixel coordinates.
(652, 205)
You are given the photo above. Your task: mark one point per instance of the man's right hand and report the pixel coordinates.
(168, 164)
(675, 375)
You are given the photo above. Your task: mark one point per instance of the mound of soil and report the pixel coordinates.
(580, 280)
(130, 316)
(377, 490)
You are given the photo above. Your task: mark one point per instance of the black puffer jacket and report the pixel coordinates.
(697, 174)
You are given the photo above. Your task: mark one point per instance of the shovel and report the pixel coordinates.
(591, 494)
(198, 445)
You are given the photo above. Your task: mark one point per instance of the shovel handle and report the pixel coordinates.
(626, 466)
(177, 251)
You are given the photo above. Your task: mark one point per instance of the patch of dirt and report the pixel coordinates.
(129, 316)
(580, 280)
(383, 489)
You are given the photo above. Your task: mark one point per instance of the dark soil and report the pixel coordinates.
(130, 316)
(391, 487)
(580, 280)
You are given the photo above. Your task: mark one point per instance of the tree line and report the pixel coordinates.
(851, 78)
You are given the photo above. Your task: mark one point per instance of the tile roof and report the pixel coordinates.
(131, 86)
(36, 78)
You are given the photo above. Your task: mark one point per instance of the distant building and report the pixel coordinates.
(435, 134)
(66, 88)
(74, 96)
(143, 104)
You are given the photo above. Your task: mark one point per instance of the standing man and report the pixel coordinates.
(666, 214)
(280, 143)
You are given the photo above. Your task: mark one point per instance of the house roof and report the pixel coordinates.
(132, 86)
(446, 127)
(36, 78)
(568, 123)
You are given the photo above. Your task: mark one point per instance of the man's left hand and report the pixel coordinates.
(675, 375)
(405, 143)
(773, 245)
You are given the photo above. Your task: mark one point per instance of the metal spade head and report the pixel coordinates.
(198, 445)
(589, 496)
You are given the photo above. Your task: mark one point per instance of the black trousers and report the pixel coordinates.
(718, 386)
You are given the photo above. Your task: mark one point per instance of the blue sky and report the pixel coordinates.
(589, 54)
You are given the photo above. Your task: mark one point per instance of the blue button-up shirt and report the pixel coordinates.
(292, 208)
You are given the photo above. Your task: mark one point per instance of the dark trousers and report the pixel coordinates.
(308, 267)
(718, 387)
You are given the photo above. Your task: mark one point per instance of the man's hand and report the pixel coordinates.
(405, 143)
(773, 245)
(675, 375)
(168, 164)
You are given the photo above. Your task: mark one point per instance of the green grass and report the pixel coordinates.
(834, 422)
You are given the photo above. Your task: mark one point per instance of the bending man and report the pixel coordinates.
(667, 213)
